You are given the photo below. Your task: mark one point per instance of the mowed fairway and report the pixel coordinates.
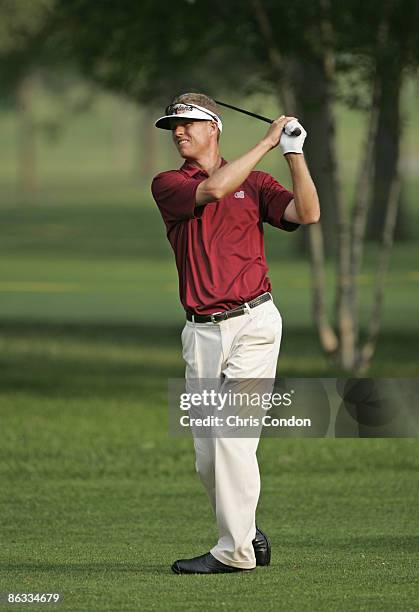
(97, 500)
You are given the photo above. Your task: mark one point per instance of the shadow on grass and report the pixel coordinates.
(133, 231)
(371, 544)
(84, 568)
(124, 360)
(87, 360)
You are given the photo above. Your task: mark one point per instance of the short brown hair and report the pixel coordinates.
(199, 99)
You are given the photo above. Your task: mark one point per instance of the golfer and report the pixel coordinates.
(214, 212)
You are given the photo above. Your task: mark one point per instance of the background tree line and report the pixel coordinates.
(309, 54)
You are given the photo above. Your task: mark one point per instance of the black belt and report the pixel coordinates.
(217, 317)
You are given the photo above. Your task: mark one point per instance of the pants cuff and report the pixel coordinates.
(223, 559)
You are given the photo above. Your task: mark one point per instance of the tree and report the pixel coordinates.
(304, 69)
(392, 63)
(27, 66)
(377, 40)
(295, 49)
(21, 42)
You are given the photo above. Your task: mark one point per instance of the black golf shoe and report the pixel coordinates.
(262, 548)
(205, 564)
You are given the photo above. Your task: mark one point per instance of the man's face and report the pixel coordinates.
(192, 137)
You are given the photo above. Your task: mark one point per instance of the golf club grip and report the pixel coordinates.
(295, 132)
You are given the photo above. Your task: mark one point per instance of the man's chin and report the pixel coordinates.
(186, 155)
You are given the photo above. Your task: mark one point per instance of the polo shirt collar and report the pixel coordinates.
(192, 170)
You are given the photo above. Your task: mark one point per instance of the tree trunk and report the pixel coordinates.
(28, 184)
(311, 87)
(309, 98)
(314, 108)
(362, 201)
(328, 339)
(387, 151)
(148, 145)
(366, 352)
(280, 66)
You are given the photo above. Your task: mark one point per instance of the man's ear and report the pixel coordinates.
(214, 127)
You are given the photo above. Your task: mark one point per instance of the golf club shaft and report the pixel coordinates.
(295, 132)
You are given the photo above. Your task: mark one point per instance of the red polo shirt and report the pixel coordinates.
(219, 247)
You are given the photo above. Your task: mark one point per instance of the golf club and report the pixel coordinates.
(295, 132)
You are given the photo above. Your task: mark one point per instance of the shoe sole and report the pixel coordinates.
(177, 571)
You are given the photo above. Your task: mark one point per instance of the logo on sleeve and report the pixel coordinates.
(239, 194)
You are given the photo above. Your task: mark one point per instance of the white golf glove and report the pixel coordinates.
(292, 144)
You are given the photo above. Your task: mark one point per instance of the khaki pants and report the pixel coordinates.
(241, 347)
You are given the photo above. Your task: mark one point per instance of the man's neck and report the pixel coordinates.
(209, 163)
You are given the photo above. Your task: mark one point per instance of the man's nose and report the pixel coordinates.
(179, 130)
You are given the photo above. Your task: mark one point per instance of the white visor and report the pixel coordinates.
(187, 111)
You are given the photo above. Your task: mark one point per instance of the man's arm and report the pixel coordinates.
(227, 178)
(305, 207)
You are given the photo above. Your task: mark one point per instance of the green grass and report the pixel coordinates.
(96, 500)
(113, 263)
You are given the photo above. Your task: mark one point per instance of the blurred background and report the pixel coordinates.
(95, 494)
(83, 244)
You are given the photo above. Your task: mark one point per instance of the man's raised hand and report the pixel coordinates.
(274, 132)
(278, 135)
(290, 143)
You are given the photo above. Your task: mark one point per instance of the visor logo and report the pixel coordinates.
(177, 109)
(182, 108)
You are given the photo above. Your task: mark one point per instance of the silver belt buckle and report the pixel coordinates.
(213, 315)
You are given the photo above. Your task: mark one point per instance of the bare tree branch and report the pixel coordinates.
(343, 291)
(328, 338)
(280, 65)
(346, 338)
(282, 68)
(386, 245)
(360, 211)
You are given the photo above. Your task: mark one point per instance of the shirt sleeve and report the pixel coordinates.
(273, 200)
(175, 195)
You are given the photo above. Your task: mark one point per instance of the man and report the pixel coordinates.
(214, 213)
